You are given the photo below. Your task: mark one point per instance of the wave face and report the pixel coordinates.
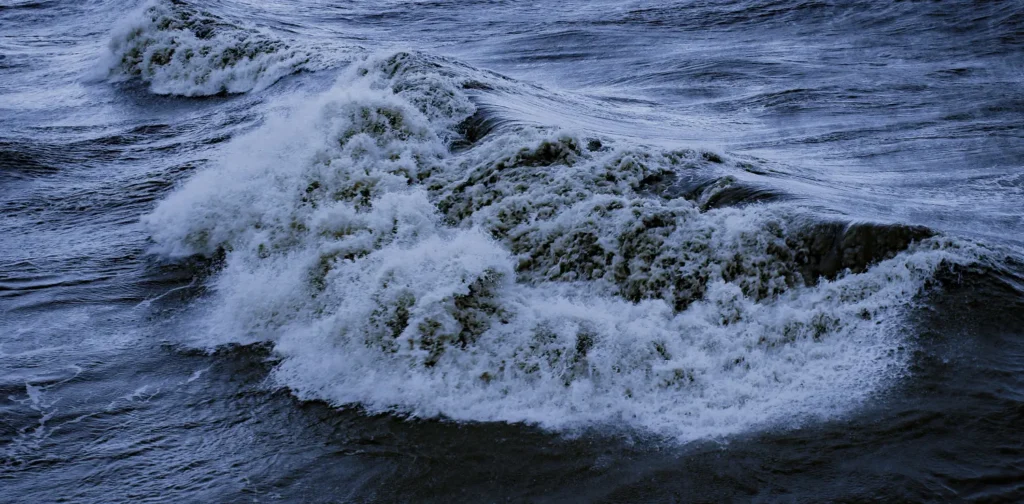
(407, 252)
(176, 50)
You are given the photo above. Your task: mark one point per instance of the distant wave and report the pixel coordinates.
(176, 50)
(407, 252)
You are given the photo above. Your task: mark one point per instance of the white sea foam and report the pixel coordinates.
(527, 277)
(176, 50)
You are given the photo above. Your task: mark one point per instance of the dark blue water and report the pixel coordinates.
(511, 251)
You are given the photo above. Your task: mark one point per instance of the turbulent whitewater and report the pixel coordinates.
(404, 256)
(478, 251)
(177, 50)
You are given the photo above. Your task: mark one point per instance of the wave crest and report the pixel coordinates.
(533, 274)
(175, 50)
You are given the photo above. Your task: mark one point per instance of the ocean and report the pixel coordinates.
(511, 251)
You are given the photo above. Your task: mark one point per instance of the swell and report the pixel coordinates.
(408, 250)
(995, 24)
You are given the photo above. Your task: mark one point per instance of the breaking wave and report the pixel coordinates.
(407, 252)
(176, 50)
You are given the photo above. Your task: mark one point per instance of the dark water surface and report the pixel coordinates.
(498, 251)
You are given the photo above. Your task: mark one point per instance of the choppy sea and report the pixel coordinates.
(511, 251)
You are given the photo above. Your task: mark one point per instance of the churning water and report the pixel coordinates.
(481, 251)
